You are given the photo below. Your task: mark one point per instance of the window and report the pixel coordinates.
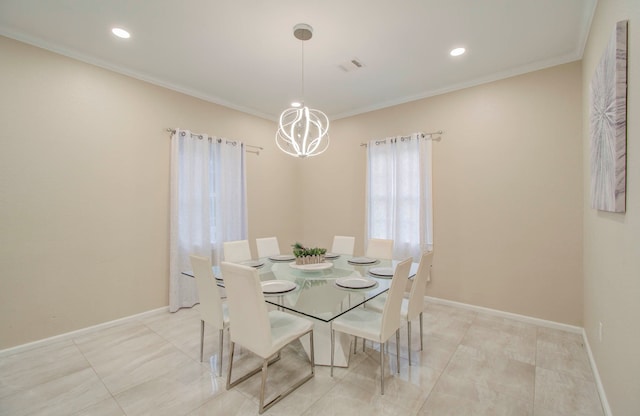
(399, 193)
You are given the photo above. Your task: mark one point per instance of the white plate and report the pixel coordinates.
(382, 271)
(282, 257)
(331, 255)
(362, 260)
(312, 267)
(355, 282)
(274, 287)
(253, 263)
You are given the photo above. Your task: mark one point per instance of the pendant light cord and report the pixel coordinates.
(302, 87)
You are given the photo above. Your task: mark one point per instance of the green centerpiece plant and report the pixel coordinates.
(306, 255)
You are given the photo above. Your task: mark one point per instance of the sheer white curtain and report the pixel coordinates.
(399, 204)
(208, 205)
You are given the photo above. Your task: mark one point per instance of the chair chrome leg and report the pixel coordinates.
(311, 350)
(220, 351)
(421, 331)
(409, 340)
(201, 340)
(265, 366)
(233, 345)
(382, 369)
(398, 349)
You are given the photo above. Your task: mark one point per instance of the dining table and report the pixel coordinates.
(322, 292)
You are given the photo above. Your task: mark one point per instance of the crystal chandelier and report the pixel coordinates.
(302, 131)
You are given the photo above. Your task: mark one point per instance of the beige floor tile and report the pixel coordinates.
(24, 370)
(564, 352)
(515, 340)
(408, 389)
(561, 394)
(491, 370)
(486, 403)
(175, 392)
(182, 329)
(107, 407)
(134, 355)
(446, 322)
(349, 399)
(231, 403)
(61, 396)
(436, 354)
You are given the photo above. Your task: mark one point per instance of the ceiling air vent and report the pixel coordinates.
(351, 65)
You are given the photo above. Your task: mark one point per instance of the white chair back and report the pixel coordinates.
(380, 249)
(210, 302)
(236, 251)
(391, 313)
(247, 309)
(267, 246)
(343, 245)
(419, 286)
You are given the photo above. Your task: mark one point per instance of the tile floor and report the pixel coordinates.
(472, 364)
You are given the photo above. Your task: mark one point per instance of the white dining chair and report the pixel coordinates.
(236, 251)
(267, 246)
(343, 245)
(212, 310)
(379, 249)
(374, 325)
(259, 330)
(412, 307)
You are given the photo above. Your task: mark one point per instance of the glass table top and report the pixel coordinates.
(319, 293)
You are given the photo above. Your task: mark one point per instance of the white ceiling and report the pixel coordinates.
(242, 53)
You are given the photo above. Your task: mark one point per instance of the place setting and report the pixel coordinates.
(355, 282)
(253, 263)
(382, 272)
(362, 260)
(278, 287)
(282, 257)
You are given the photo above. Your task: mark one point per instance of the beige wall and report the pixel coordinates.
(507, 182)
(612, 241)
(84, 191)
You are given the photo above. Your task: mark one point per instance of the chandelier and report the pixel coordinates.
(302, 131)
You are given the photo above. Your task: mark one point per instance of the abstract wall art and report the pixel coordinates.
(608, 125)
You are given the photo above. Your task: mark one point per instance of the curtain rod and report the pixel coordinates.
(173, 131)
(422, 136)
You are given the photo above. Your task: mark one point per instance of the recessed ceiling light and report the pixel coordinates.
(457, 51)
(121, 33)
(296, 104)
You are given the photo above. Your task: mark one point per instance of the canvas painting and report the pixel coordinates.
(608, 125)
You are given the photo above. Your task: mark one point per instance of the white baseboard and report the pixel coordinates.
(516, 317)
(596, 374)
(83, 331)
